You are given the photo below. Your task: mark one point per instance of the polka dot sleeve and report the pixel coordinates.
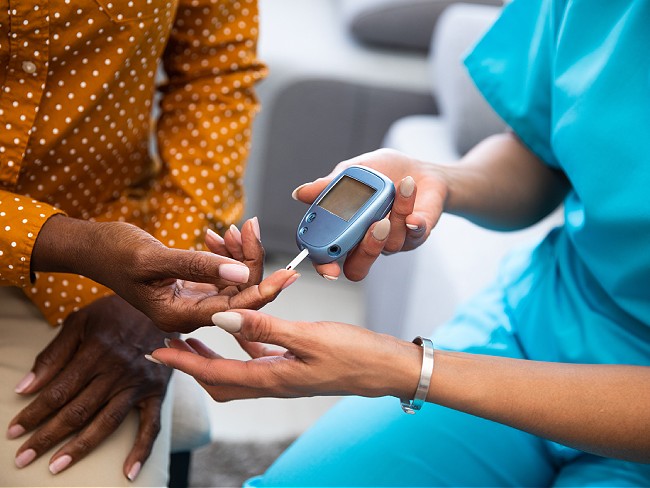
(87, 150)
(207, 109)
(21, 219)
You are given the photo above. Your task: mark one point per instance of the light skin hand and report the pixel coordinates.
(500, 184)
(601, 409)
(411, 219)
(86, 381)
(179, 290)
(321, 358)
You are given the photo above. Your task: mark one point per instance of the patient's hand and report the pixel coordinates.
(178, 289)
(419, 201)
(187, 298)
(86, 382)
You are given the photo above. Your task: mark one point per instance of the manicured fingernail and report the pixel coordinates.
(215, 236)
(60, 463)
(15, 431)
(330, 277)
(291, 281)
(167, 341)
(412, 226)
(256, 228)
(235, 232)
(381, 230)
(294, 193)
(25, 382)
(25, 457)
(406, 187)
(153, 359)
(228, 321)
(134, 471)
(234, 272)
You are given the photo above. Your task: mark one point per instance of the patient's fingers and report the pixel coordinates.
(216, 244)
(255, 297)
(233, 242)
(252, 250)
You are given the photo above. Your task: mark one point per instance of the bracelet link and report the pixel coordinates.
(412, 406)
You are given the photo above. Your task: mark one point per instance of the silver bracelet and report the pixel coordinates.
(412, 406)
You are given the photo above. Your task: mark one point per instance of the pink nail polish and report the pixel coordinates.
(25, 382)
(215, 236)
(25, 457)
(234, 272)
(15, 431)
(256, 228)
(134, 471)
(60, 463)
(149, 357)
(235, 232)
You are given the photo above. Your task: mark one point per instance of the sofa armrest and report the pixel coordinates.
(397, 24)
(467, 115)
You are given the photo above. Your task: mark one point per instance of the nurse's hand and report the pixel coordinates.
(320, 358)
(419, 201)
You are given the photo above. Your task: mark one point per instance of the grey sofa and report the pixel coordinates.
(341, 72)
(412, 293)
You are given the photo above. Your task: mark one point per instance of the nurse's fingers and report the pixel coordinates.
(329, 271)
(361, 258)
(402, 208)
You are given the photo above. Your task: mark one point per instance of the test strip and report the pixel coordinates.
(298, 259)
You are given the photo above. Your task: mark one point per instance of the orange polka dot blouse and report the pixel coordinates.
(77, 91)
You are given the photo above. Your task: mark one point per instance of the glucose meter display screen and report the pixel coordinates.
(346, 197)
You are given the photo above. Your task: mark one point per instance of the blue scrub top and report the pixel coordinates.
(572, 79)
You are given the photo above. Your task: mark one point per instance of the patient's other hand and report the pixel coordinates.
(86, 382)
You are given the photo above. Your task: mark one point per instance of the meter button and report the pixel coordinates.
(311, 217)
(303, 231)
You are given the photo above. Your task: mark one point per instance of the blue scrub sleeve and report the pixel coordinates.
(512, 67)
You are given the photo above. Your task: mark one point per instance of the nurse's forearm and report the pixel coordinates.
(602, 409)
(502, 185)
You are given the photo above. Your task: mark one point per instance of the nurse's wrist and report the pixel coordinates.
(403, 374)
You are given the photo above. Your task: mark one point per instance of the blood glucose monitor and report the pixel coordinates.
(341, 215)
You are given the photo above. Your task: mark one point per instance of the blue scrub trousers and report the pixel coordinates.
(371, 442)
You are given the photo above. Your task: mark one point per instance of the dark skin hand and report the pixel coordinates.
(178, 289)
(94, 372)
(86, 382)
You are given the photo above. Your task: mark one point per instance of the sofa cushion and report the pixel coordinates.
(402, 24)
(469, 118)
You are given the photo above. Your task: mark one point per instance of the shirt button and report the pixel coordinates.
(29, 67)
